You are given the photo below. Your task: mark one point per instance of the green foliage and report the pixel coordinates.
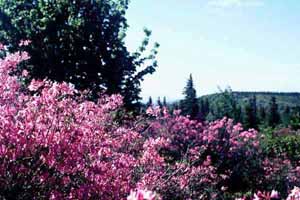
(165, 104)
(274, 116)
(204, 108)
(256, 107)
(223, 104)
(80, 41)
(286, 116)
(287, 145)
(295, 120)
(262, 115)
(159, 103)
(189, 105)
(283, 100)
(149, 103)
(290, 99)
(250, 120)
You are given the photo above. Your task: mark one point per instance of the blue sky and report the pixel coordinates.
(248, 45)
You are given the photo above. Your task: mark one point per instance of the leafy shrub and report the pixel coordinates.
(288, 145)
(55, 144)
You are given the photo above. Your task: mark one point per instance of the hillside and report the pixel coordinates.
(263, 98)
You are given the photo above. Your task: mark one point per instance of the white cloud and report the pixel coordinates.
(235, 3)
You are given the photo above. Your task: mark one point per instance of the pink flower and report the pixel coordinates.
(35, 85)
(153, 111)
(266, 195)
(294, 194)
(142, 195)
(1, 46)
(25, 73)
(24, 43)
(274, 194)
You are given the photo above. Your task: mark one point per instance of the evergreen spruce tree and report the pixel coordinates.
(286, 116)
(274, 116)
(239, 114)
(254, 107)
(250, 118)
(189, 105)
(262, 115)
(165, 102)
(175, 106)
(150, 102)
(201, 109)
(206, 106)
(78, 41)
(159, 102)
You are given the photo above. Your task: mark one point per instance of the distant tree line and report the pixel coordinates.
(243, 107)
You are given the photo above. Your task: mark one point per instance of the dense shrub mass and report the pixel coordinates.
(55, 144)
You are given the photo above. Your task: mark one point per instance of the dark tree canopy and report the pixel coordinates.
(262, 115)
(203, 108)
(250, 120)
(189, 105)
(165, 104)
(274, 116)
(78, 41)
(150, 102)
(159, 103)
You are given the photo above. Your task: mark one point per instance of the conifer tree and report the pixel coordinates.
(159, 102)
(175, 106)
(150, 102)
(238, 114)
(250, 118)
(165, 102)
(204, 108)
(274, 116)
(286, 116)
(189, 105)
(253, 104)
(262, 115)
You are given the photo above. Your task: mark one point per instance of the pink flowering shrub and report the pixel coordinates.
(294, 194)
(56, 144)
(201, 160)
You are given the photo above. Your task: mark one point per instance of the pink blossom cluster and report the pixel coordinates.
(294, 194)
(194, 154)
(24, 43)
(266, 195)
(141, 194)
(56, 144)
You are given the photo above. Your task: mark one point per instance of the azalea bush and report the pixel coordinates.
(294, 194)
(56, 144)
(201, 160)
